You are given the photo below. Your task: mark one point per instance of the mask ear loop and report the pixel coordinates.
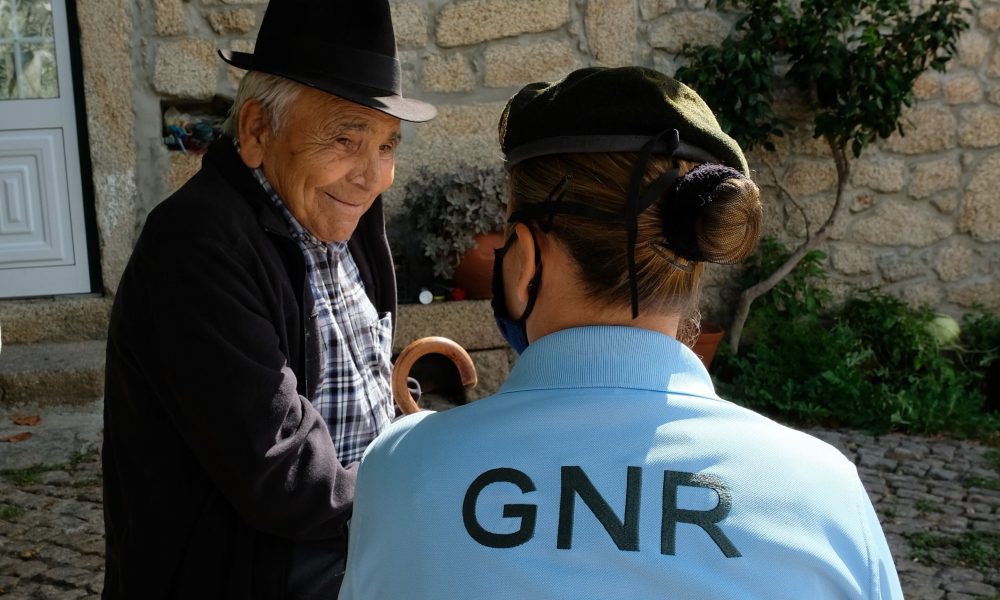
(535, 283)
(633, 202)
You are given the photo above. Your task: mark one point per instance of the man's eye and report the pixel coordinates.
(387, 149)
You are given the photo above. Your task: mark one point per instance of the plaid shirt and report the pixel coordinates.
(354, 393)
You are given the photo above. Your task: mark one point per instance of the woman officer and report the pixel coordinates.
(606, 466)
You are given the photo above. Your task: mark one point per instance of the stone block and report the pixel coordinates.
(881, 174)
(60, 319)
(982, 293)
(809, 146)
(106, 41)
(611, 30)
(955, 261)
(409, 21)
(663, 62)
(901, 223)
(169, 17)
(469, 323)
(675, 30)
(62, 373)
(518, 64)
(980, 214)
(228, 22)
(963, 89)
(816, 209)
(924, 293)
(927, 85)
(980, 127)
(972, 48)
(926, 130)
(244, 1)
(650, 9)
(989, 18)
(186, 69)
(933, 176)
(851, 259)
(806, 177)
(492, 369)
(468, 22)
(946, 202)
(994, 94)
(994, 64)
(183, 166)
(451, 73)
(862, 202)
(459, 135)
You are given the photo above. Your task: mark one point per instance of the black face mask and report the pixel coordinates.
(513, 330)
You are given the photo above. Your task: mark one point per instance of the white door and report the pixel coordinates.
(43, 248)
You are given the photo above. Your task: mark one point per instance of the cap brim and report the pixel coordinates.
(406, 109)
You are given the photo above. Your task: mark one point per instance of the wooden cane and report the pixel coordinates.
(421, 347)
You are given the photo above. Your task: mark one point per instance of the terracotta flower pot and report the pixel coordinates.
(474, 272)
(708, 342)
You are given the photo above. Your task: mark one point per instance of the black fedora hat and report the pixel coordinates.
(343, 47)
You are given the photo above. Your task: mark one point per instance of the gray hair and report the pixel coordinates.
(275, 93)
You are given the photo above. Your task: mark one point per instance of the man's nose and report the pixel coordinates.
(367, 169)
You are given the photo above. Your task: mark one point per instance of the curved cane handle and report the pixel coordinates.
(418, 348)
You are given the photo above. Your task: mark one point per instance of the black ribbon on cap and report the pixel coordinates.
(635, 202)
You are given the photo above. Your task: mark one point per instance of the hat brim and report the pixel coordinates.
(406, 109)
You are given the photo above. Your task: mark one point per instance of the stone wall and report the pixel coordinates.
(925, 215)
(925, 208)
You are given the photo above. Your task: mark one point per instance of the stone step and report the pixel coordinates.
(56, 319)
(52, 374)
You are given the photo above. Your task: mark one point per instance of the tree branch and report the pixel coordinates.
(811, 243)
(784, 190)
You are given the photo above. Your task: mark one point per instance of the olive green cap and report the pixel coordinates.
(599, 109)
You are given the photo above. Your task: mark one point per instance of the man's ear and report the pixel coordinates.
(254, 126)
(519, 269)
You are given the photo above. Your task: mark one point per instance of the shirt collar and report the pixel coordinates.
(610, 356)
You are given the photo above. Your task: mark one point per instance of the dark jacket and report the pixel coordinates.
(215, 462)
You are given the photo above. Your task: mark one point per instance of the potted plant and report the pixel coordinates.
(458, 216)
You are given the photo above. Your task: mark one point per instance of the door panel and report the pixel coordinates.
(43, 249)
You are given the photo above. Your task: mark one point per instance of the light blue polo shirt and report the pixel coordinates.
(606, 467)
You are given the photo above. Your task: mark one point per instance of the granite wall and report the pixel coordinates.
(925, 213)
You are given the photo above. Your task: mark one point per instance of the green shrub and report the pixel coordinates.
(872, 363)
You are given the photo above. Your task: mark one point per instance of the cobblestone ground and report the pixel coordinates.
(52, 531)
(939, 501)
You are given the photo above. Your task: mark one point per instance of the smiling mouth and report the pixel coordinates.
(344, 202)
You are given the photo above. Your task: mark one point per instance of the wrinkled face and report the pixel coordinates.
(329, 161)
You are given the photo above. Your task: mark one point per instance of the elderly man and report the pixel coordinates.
(248, 352)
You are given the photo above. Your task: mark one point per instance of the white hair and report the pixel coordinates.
(275, 93)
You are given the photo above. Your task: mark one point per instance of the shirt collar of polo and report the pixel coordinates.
(610, 356)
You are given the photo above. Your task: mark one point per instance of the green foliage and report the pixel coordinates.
(872, 363)
(798, 294)
(448, 209)
(10, 512)
(29, 475)
(979, 550)
(855, 61)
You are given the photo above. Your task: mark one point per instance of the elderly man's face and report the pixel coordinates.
(328, 162)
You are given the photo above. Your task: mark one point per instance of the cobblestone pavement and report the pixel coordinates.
(939, 501)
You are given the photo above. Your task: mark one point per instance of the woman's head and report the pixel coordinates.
(616, 155)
